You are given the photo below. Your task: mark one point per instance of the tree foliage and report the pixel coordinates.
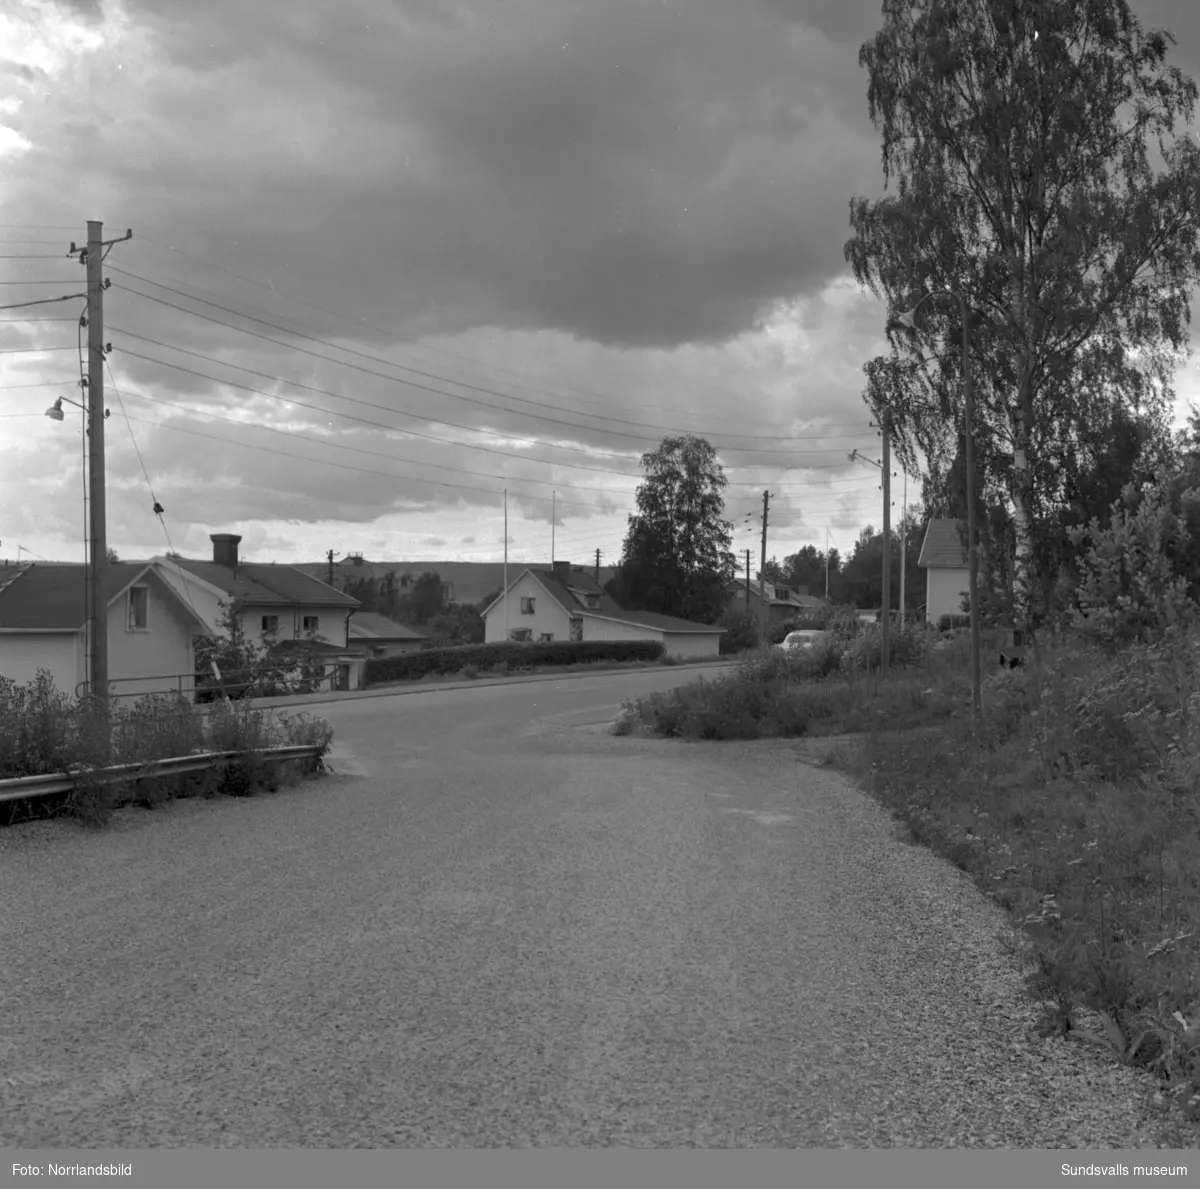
(676, 559)
(1017, 135)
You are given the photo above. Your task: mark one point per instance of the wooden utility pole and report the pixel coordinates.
(747, 580)
(330, 556)
(506, 564)
(553, 518)
(885, 641)
(762, 578)
(597, 575)
(972, 580)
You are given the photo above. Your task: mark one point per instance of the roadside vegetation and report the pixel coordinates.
(1075, 803)
(43, 731)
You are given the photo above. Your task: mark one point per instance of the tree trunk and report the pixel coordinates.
(1024, 564)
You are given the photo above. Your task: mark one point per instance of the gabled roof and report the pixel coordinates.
(607, 607)
(266, 584)
(53, 598)
(943, 547)
(793, 599)
(309, 648)
(370, 625)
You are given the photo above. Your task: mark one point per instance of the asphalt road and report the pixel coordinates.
(497, 926)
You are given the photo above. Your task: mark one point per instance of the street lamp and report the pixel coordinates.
(908, 319)
(55, 411)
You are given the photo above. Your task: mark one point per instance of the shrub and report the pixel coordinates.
(470, 671)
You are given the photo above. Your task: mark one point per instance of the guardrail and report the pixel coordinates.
(25, 787)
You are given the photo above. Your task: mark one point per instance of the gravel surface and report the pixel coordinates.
(507, 931)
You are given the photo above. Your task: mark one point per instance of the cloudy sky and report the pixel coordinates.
(391, 257)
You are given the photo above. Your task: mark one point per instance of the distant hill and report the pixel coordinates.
(471, 580)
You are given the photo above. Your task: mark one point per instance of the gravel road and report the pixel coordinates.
(496, 929)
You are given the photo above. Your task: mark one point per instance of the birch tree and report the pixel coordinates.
(1018, 134)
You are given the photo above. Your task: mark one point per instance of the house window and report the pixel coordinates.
(139, 601)
(310, 623)
(378, 651)
(546, 638)
(526, 606)
(521, 635)
(593, 601)
(270, 623)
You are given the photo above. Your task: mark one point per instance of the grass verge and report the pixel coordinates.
(1075, 804)
(43, 731)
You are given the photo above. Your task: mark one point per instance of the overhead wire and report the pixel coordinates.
(360, 323)
(404, 367)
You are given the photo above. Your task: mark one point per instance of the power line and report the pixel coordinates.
(404, 367)
(406, 338)
(20, 305)
(33, 350)
(402, 429)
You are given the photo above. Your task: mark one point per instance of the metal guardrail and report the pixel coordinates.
(24, 787)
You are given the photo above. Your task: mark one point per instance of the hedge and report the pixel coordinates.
(411, 666)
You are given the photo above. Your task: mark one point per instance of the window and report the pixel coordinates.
(270, 623)
(521, 635)
(526, 606)
(546, 638)
(379, 651)
(310, 623)
(593, 601)
(139, 599)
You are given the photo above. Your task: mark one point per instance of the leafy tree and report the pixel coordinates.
(425, 599)
(677, 559)
(366, 590)
(1017, 134)
(774, 572)
(110, 555)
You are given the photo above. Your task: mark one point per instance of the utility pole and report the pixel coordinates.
(97, 608)
(597, 575)
(762, 578)
(506, 565)
(885, 641)
(827, 565)
(553, 518)
(747, 579)
(903, 549)
(330, 556)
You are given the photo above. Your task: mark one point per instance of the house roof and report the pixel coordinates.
(793, 599)
(309, 647)
(943, 547)
(54, 597)
(267, 584)
(652, 619)
(370, 625)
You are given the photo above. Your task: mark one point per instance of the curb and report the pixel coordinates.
(324, 699)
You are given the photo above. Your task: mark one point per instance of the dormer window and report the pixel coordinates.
(593, 601)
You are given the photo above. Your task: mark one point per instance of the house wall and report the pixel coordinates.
(23, 654)
(944, 591)
(366, 647)
(548, 614)
(331, 623)
(605, 629)
(158, 659)
(690, 645)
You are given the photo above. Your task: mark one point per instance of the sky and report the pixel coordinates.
(393, 257)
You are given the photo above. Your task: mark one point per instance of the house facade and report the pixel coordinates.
(784, 603)
(273, 604)
(947, 574)
(151, 631)
(567, 603)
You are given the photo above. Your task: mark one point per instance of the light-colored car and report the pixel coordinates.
(803, 640)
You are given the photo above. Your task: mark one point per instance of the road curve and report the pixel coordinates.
(494, 928)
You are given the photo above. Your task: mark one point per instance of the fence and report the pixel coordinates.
(241, 683)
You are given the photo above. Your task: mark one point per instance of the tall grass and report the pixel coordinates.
(44, 731)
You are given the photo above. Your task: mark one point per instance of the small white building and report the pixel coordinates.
(945, 560)
(151, 630)
(567, 603)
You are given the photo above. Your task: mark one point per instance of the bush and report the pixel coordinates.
(741, 631)
(43, 731)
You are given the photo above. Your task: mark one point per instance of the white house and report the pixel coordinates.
(567, 603)
(275, 605)
(43, 613)
(947, 575)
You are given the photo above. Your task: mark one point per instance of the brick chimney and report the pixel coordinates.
(562, 570)
(225, 548)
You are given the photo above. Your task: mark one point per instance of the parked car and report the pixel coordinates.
(802, 640)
